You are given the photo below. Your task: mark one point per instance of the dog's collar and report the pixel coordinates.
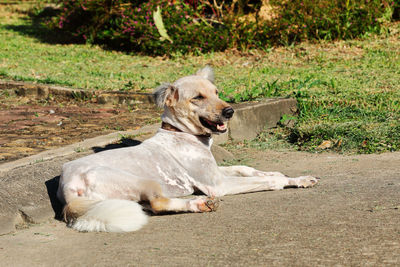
(169, 127)
(172, 128)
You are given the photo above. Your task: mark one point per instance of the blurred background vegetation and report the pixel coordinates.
(193, 26)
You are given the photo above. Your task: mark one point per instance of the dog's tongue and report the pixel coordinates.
(221, 126)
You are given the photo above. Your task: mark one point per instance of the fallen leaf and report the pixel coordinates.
(325, 145)
(364, 143)
(339, 143)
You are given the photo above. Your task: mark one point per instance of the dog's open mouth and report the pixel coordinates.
(219, 127)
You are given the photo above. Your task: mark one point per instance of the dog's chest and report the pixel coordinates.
(188, 152)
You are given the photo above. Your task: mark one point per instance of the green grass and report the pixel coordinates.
(348, 91)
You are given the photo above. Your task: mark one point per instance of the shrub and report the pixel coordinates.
(129, 25)
(396, 10)
(299, 20)
(200, 25)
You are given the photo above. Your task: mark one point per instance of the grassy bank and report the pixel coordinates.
(348, 91)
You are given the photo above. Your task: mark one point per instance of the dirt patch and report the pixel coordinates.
(29, 126)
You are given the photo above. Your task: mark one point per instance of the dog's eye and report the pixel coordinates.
(216, 92)
(199, 97)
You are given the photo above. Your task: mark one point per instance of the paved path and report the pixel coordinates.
(351, 218)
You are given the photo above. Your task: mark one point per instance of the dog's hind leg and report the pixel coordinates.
(161, 204)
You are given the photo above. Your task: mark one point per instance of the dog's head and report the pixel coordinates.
(192, 105)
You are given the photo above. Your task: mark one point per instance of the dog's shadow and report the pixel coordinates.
(124, 142)
(52, 184)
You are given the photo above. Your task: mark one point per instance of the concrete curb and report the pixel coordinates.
(27, 185)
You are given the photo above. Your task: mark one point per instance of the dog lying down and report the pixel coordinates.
(101, 191)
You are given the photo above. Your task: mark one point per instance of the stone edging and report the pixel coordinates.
(102, 97)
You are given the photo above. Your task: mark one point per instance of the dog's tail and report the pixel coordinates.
(111, 215)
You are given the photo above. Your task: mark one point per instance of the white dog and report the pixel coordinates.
(101, 191)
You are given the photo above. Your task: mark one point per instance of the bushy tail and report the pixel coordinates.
(111, 215)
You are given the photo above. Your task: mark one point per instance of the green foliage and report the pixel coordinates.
(300, 20)
(369, 125)
(349, 136)
(349, 120)
(129, 25)
(255, 92)
(201, 25)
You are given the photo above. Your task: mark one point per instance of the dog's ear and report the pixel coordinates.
(166, 94)
(206, 72)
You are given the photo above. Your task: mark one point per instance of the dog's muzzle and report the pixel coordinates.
(228, 112)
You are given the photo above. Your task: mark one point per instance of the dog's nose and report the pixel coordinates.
(228, 112)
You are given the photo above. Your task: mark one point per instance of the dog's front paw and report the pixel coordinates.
(305, 181)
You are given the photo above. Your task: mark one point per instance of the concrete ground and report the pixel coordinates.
(351, 218)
